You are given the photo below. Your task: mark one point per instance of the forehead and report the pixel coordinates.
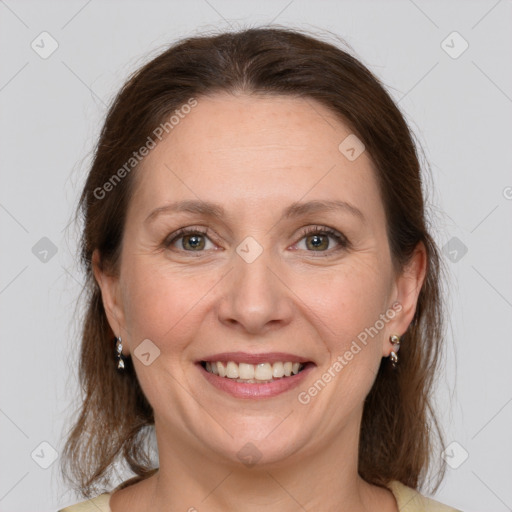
(246, 149)
(269, 127)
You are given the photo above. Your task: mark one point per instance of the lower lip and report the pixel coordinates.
(246, 390)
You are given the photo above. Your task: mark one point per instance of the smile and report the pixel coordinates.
(255, 376)
(253, 373)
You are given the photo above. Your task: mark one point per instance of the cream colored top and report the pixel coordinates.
(408, 500)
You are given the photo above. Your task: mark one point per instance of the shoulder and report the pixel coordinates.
(101, 503)
(409, 500)
(98, 504)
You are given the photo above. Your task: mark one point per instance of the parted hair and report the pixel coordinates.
(399, 431)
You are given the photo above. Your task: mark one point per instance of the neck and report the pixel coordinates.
(320, 478)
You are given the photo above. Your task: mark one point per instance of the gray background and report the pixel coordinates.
(51, 112)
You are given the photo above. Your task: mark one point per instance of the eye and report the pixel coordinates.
(317, 239)
(192, 239)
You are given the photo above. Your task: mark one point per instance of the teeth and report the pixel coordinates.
(262, 372)
(221, 368)
(246, 371)
(232, 370)
(278, 370)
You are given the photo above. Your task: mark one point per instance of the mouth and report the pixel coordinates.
(248, 373)
(245, 375)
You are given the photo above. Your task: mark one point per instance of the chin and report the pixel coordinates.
(260, 447)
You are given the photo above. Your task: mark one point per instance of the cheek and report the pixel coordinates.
(347, 305)
(162, 304)
(345, 301)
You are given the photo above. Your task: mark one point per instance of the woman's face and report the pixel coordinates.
(286, 261)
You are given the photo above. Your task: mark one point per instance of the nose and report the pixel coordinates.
(255, 297)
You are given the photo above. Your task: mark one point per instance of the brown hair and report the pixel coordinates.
(399, 429)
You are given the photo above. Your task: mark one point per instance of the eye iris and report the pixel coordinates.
(317, 241)
(195, 241)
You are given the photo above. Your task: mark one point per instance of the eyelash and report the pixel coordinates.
(311, 230)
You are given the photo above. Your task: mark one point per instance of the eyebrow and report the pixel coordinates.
(296, 209)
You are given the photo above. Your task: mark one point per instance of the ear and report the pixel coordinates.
(110, 294)
(407, 288)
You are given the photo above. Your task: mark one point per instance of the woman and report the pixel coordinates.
(256, 253)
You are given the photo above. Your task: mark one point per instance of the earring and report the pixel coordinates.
(119, 349)
(395, 340)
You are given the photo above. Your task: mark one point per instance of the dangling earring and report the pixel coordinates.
(395, 340)
(120, 357)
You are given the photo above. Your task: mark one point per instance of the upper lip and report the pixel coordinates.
(245, 357)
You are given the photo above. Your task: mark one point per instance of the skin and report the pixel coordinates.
(255, 155)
